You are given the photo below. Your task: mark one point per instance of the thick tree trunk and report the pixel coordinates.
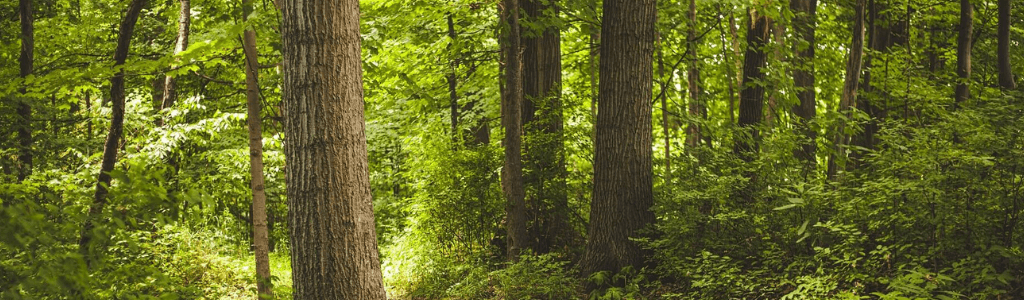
(963, 53)
(184, 21)
(110, 147)
(623, 172)
(804, 23)
(1005, 72)
(330, 210)
(511, 120)
(259, 199)
(542, 119)
(850, 86)
(752, 93)
(25, 60)
(695, 107)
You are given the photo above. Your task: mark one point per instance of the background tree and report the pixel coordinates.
(544, 158)
(752, 88)
(850, 87)
(804, 23)
(511, 120)
(181, 43)
(25, 61)
(113, 142)
(963, 52)
(1005, 71)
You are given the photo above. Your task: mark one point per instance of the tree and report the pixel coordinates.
(544, 158)
(885, 31)
(511, 120)
(170, 94)
(850, 87)
(804, 23)
(752, 89)
(1005, 72)
(623, 192)
(453, 93)
(696, 108)
(963, 53)
(259, 198)
(25, 61)
(331, 223)
(110, 147)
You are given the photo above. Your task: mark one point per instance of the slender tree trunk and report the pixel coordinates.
(695, 107)
(665, 82)
(261, 238)
(1005, 72)
(804, 23)
(181, 43)
(963, 53)
(871, 102)
(25, 61)
(110, 147)
(330, 211)
(623, 173)
(511, 118)
(778, 31)
(728, 70)
(752, 93)
(453, 94)
(850, 86)
(737, 62)
(594, 57)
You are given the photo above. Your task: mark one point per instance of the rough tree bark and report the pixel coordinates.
(963, 53)
(330, 216)
(511, 120)
(259, 198)
(804, 23)
(184, 22)
(623, 192)
(752, 89)
(850, 86)
(25, 61)
(1005, 72)
(110, 147)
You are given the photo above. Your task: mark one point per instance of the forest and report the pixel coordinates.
(511, 149)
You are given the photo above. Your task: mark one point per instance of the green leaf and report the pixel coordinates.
(785, 207)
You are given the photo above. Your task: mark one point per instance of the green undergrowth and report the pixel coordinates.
(170, 262)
